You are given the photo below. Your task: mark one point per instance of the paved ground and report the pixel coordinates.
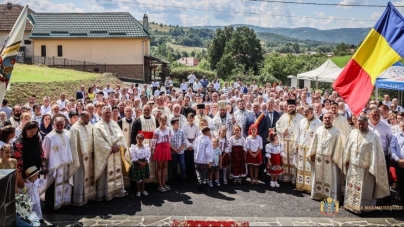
(240, 202)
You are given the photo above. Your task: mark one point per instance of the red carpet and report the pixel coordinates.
(192, 223)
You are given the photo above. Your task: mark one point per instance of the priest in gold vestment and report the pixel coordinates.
(286, 127)
(108, 141)
(306, 129)
(82, 146)
(325, 156)
(366, 179)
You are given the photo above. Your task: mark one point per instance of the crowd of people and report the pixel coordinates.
(94, 145)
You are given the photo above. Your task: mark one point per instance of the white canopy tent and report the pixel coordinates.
(327, 72)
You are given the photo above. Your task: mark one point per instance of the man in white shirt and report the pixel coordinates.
(191, 79)
(184, 86)
(62, 102)
(237, 83)
(397, 108)
(108, 89)
(386, 100)
(216, 84)
(197, 85)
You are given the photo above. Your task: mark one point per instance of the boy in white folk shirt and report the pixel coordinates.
(203, 156)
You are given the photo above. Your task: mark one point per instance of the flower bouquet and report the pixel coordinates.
(24, 209)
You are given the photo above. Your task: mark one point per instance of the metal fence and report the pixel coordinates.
(69, 64)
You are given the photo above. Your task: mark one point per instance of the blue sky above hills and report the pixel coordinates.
(225, 12)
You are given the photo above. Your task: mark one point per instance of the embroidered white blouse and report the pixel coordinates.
(137, 153)
(235, 142)
(253, 143)
(277, 149)
(161, 136)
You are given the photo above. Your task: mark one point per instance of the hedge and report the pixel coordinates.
(180, 73)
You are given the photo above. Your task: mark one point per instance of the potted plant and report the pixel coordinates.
(25, 215)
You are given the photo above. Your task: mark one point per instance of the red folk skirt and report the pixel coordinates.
(276, 167)
(226, 160)
(254, 161)
(162, 152)
(238, 161)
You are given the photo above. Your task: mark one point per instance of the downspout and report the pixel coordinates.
(144, 76)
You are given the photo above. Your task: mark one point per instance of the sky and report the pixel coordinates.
(226, 12)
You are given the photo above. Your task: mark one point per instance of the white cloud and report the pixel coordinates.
(48, 6)
(375, 15)
(352, 2)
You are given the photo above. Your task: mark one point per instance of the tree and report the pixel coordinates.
(161, 25)
(296, 47)
(193, 53)
(245, 48)
(225, 66)
(217, 45)
(204, 64)
(184, 54)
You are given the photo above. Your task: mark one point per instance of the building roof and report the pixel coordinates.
(9, 15)
(85, 25)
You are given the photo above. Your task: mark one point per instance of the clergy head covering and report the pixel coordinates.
(291, 102)
(362, 118)
(31, 171)
(200, 106)
(222, 104)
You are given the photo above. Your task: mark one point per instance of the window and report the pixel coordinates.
(60, 51)
(43, 51)
(27, 42)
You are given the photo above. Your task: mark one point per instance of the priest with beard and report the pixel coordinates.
(241, 116)
(108, 142)
(186, 109)
(306, 130)
(366, 179)
(126, 124)
(287, 129)
(325, 157)
(223, 118)
(146, 124)
(201, 115)
(82, 146)
(15, 118)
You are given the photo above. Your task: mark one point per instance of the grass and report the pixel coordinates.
(341, 61)
(186, 48)
(35, 73)
(44, 81)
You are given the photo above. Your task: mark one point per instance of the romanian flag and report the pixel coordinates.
(383, 47)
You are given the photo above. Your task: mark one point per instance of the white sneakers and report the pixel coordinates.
(274, 184)
(144, 193)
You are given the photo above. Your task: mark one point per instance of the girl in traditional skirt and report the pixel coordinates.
(274, 153)
(162, 154)
(236, 147)
(225, 156)
(139, 170)
(253, 146)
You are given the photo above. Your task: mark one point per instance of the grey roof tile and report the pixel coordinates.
(90, 25)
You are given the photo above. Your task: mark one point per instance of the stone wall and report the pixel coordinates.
(134, 72)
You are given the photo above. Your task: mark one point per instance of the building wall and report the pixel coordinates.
(102, 51)
(28, 47)
(134, 72)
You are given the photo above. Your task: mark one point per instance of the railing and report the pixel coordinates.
(69, 64)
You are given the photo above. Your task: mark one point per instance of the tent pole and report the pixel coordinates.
(377, 94)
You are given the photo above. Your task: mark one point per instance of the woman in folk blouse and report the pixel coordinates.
(161, 149)
(139, 170)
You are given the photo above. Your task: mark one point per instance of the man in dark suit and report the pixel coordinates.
(263, 129)
(80, 94)
(273, 116)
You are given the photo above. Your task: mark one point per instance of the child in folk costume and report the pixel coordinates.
(216, 162)
(162, 153)
(32, 184)
(139, 171)
(253, 146)
(274, 152)
(223, 144)
(238, 155)
(203, 156)
(6, 161)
